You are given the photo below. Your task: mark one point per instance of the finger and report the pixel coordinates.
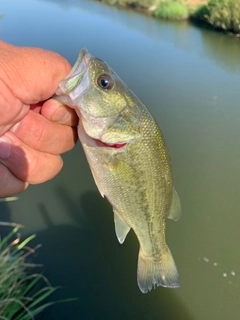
(58, 112)
(11, 109)
(9, 184)
(27, 76)
(43, 135)
(36, 107)
(26, 163)
(32, 74)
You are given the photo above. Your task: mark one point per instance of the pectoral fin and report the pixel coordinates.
(121, 228)
(175, 210)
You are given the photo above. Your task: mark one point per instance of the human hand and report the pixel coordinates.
(34, 131)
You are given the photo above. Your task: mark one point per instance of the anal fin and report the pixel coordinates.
(121, 228)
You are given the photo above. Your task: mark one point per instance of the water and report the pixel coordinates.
(189, 78)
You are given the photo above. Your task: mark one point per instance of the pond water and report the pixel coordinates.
(189, 78)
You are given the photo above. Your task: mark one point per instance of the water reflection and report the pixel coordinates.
(223, 49)
(5, 216)
(91, 265)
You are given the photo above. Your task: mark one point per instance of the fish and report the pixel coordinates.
(129, 161)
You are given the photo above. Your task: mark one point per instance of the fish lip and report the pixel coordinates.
(86, 58)
(81, 64)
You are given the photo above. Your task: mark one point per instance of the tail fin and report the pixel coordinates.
(153, 273)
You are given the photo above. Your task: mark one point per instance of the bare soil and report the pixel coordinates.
(194, 3)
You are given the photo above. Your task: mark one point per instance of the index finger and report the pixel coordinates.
(60, 113)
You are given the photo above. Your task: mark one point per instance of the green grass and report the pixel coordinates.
(23, 293)
(171, 10)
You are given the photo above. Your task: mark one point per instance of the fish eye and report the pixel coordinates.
(105, 82)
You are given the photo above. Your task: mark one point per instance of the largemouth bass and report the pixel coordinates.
(129, 161)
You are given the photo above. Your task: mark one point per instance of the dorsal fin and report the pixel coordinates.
(175, 210)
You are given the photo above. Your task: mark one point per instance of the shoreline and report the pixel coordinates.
(221, 15)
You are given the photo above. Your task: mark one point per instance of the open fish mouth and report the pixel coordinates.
(81, 64)
(75, 82)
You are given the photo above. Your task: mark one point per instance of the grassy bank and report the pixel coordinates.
(220, 14)
(24, 292)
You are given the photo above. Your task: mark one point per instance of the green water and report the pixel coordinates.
(189, 78)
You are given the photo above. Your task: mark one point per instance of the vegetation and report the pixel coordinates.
(171, 10)
(221, 14)
(23, 293)
(145, 4)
